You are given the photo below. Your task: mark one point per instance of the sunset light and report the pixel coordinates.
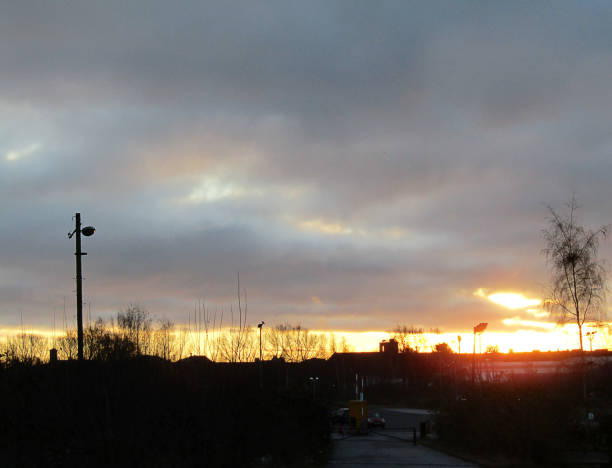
(338, 185)
(540, 337)
(327, 233)
(527, 336)
(325, 227)
(510, 300)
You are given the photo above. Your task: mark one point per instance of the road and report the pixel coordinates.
(390, 447)
(401, 418)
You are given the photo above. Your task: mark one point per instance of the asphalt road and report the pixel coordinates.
(390, 447)
(401, 418)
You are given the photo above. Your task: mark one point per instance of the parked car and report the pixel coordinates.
(340, 416)
(376, 420)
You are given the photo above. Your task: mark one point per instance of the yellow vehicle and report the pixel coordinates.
(358, 415)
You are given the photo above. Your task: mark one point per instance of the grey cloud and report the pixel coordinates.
(455, 122)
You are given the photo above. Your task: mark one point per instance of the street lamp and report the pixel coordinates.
(260, 326)
(87, 231)
(478, 330)
(314, 381)
(590, 337)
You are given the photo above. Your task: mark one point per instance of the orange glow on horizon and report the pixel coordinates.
(547, 338)
(538, 336)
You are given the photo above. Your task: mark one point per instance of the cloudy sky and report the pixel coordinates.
(361, 164)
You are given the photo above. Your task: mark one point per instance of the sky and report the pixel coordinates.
(360, 164)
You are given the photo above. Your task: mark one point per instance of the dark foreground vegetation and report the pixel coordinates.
(123, 408)
(150, 412)
(556, 420)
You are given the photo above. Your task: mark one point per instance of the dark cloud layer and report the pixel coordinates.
(361, 164)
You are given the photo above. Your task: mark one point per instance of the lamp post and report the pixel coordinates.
(260, 326)
(314, 381)
(478, 329)
(86, 231)
(590, 337)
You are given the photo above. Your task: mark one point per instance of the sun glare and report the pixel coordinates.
(513, 300)
(517, 321)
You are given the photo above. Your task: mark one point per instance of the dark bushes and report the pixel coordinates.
(529, 420)
(149, 412)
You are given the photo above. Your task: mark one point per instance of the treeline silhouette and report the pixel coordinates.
(138, 401)
(133, 332)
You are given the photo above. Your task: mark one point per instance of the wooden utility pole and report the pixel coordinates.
(79, 285)
(87, 231)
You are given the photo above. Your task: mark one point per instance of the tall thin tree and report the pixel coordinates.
(577, 285)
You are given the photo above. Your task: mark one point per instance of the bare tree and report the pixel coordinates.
(206, 332)
(164, 340)
(104, 343)
(295, 343)
(26, 348)
(409, 338)
(67, 345)
(335, 345)
(345, 347)
(94, 335)
(577, 287)
(135, 324)
(238, 345)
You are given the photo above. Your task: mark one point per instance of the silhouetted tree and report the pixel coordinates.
(409, 338)
(94, 340)
(26, 348)
(443, 348)
(295, 343)
(104, 344)
(135, 324)
(205, 331)
(577, 290)
(238, 344)
(67, 345)
(166, 342)
(344, 346)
